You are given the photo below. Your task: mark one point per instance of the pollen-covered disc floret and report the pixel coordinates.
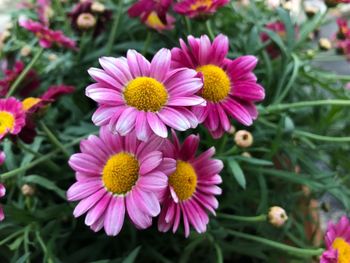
(118, 175)
(146, 97)
(230, 87)
(12, 117)
(192, 187)
(337, 241)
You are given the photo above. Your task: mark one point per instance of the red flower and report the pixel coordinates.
(46, 36)
(29, 84)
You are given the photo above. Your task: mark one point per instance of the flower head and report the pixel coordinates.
(30, 83)
(199, 8)
(230, 87)
(337, 241)
(279, 28)
(12, 117)
(88, 14)
(192, 186)
(2, 194)
(153, 21)
(46, 36)
(343, 29)
(134, 94)
(118, 175)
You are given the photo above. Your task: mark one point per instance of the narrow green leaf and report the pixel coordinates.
(237, 172)
(132, 256)
(253, 160)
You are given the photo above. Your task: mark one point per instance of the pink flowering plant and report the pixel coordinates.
(173, 131)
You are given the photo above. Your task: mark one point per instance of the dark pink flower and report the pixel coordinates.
(343, 29)
(2, 194)
(198, 8)
(101, 15)
(46, 36)
(154, 22)
(30, 83)
(333, 3)
(279, 28)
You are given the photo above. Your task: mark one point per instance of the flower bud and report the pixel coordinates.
(97, 7)
(288, 6)
(28, 190)
(325, 44)
(25, 51)
(311, 10)
(86, 21)
(52, 57)
(277, 216)
(273, 4)
(246, 154)
(243, 138)
(232, 130)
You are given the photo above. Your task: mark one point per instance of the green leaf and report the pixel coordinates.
(15, 244)
(46, 183)
(132, 256)
(237, 172)
(309, 27)
(254, 160)
(285, 17)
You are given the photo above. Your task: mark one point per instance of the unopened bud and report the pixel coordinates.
(246, 154)
(311, 10)
(98, 7)
(28, 190)
(52, 57)
(288, 5)
(325, 44)
(243, 138)
(277, 216)
(86, 21)
(232, 130)
(25, 51)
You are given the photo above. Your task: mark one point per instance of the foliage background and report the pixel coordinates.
(41, 228)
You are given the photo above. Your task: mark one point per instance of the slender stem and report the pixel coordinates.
(26, 243)
(302, 252)
(188, 25)
(209, 29)
(302, 104)
(113, 33)
(147, 42)
(24, 73)
(39, 160)
(259, 218)
(53, 139)
(322, 137)
(219, 255)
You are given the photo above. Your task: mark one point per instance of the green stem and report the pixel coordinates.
(209, 29)
(53, 139)
(303, 104)
(147, 42)
(301, 252)
(251, 219)
(188, 25)
(219, 256)
(116, 19)
(39, 160)
(223, 143)
(24, 73)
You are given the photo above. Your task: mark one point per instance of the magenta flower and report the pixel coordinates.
(46, 36)
(118, 175)
(12, 117)
(143, 8)
(192, 187)
(279, 28)
(2, 157)
(153, 21)
(230, 87)
(199, 8)
(2, 194)
(134, 94)
(44, 11)
(337, 241)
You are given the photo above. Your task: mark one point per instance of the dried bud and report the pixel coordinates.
(52, 57)
(243, 138)
(232, 130)
(311, 10)
(28, 190)
(277, 216)
(97, 7)
(86, 21)
(325, 44)
(288, 5)
(246, 154)
(25, 51)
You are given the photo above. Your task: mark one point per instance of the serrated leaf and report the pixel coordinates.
(237, 172)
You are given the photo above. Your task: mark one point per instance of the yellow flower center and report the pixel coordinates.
(154, 21)
(28, 103)
(201, 4)
(217, 84)
(7, 122)
(183, 180)
(343, 248)
(145, 94)
(120, 173)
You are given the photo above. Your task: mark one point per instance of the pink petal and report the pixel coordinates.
(115, 214)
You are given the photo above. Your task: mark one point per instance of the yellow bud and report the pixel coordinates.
(325, 44)
(97, 7)
(86, 21)
(277, 216)
(25, 51)
(243, 138)
(28, 190)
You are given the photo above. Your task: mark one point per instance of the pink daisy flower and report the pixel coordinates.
(2, 157)
(230, 87)
(153, 21)
(2, 194)
(12, 117)
(134, 94)
(337, 242)
(199, 8)
(118, 175)
(46, 36)
(192, 187)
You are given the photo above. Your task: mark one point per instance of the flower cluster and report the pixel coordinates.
(132, 167)
(343, 38)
